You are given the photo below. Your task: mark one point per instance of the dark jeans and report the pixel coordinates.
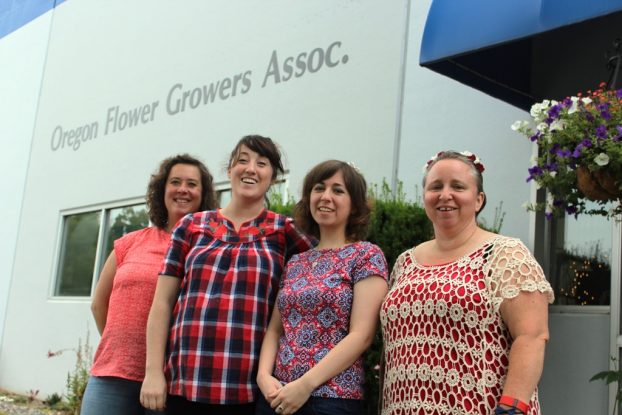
(177, 405)
(318, 406)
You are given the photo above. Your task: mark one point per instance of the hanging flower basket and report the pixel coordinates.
(598, 185)
(579, 153)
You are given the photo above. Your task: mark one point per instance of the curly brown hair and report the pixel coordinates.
(360, 213)
(155, 190)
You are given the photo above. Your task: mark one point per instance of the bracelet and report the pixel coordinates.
(514, 403)
(507, 411)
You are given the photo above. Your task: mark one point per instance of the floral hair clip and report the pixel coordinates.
(467, 154)
(356, 169)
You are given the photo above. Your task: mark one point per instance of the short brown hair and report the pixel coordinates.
(265, 147)
(360, 213)
(155, 190)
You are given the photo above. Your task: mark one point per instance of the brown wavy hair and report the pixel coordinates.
(158, 214)
(360, 213)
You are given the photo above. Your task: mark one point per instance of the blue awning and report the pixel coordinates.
(501, 46)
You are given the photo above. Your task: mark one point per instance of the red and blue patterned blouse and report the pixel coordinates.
(229, 283)
(315, 302)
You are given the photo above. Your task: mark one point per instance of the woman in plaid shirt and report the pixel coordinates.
(215, 293)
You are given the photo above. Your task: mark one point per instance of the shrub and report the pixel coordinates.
(396, 225)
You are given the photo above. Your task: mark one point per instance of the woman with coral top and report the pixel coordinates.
(465, 322)
(327, 308)
(127, 283)
(215, 293)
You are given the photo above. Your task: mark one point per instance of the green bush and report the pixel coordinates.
(396, 225)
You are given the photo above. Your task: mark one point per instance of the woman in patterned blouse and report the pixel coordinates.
(465, 320)
(327, 307)
(215, 293)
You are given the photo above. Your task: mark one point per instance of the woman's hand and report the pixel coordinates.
(290, 397)
(269, 386)
(153, 391)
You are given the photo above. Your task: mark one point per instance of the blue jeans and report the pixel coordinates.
(105, 395)
(318, 406)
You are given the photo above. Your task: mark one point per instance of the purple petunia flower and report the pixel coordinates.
(551, 167)
(535, 136)
(563, 153)
(577, 151)
(586, 142)
(619, 93)
(554, 148)
(604, 111)
(534, 172)
(554, 112)
(601, 131)
(618, 136)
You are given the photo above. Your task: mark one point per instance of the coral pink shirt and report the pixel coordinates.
(121, 351)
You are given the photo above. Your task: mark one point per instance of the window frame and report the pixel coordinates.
(104, 211)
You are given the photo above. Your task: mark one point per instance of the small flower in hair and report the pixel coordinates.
(467, 154)
(356, 169)
(474, 159)
(432, 160)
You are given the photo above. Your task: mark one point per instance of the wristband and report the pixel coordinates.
(514, 403)
(507, 411)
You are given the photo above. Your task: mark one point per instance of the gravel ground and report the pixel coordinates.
(11, 405)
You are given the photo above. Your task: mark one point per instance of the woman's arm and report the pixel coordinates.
(153, 391)
(368, 296)
(101, 297)
(267, 383)
(526, 316)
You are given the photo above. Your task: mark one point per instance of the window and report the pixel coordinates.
(580, 260)
(86, 241)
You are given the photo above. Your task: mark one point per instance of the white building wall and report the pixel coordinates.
(22, 54)
(131, 54)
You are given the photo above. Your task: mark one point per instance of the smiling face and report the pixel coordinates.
(330, 203)
(451, 197)
(182, 192)
(251, 175)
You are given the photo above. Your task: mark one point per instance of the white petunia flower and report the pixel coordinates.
(586, 101)
(542, 127)
(602, 159)
(575, 105)
(519, 125)
(557, 125)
